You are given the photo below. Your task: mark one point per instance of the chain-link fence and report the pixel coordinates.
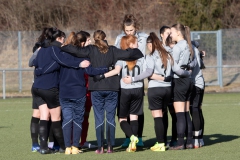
(221, 60)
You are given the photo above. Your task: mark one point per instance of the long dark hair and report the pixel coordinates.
(53, 33)
(162, 30)
(185, 31)
(42, 37)
(158, 45)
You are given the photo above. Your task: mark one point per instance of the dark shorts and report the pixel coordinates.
(36, 101)
(131, 101)
(159, 97)
(46, 96)
(170, 104)
(196, 97)
(182, 88)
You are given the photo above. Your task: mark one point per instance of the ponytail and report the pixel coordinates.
(69, 38)
(99, 37)
(188, 39)
(125, 44)
(158, 45)
(76, 39)
(185, 31)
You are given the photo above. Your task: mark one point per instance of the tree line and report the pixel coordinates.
(27, 15)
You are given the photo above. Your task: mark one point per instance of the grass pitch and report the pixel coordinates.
(222, 132)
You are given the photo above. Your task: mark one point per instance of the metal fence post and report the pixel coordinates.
(4, 84)
(20, 61)
(219, 57)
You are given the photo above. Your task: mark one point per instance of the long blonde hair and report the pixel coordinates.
(124, 44)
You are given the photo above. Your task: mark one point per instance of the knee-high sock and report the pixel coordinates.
(196, 119)
(128, 120)
(34, 129)
(165, 123)
(181, 127)
(174, 126)
(58, 133)
(126, 128)
(159, 129)
(51, 136)
(202, 123)
(43, 134)
(140, 125)
(134, 126)
(188, 128)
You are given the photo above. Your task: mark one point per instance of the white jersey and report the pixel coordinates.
(142, 41)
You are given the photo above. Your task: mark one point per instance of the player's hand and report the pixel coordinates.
(127, 79)
(84, 64)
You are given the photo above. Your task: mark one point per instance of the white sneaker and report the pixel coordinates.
(88, 145)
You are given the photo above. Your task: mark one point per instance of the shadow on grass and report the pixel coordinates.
(218, 138)
(208, 140)
(4, 127)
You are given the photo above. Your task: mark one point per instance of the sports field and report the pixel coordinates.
(222, 132)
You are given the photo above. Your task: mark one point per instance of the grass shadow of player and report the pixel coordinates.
(218, 138)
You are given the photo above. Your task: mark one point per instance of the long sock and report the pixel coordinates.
(140, 125)
(159, 129)
(189, 128)
(85, 125)
(181, 127)
(134, 126)
(174, 126)
(34, 129)
(196, 120)
(43, 134)
(165, 123)
(58, 133)
(128, 120)
(50, 134)
(126, 128)
(202, 123)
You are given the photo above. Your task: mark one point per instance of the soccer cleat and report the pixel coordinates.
(46, 151)
(177, 147)
(55, 148)
(173, 143)
(35, 148)
(195, 143)
(99, 151)
(126, 142)
(75, 150)
(201, 143)
(140, 142)
(61, 150)
(68, 150)
(109, 151)
(189, 146)
(88, 145)
(158, 147)
(132, 146)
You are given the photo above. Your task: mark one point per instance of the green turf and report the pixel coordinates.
(222, 131)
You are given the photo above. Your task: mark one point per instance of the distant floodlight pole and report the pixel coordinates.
(19, 61)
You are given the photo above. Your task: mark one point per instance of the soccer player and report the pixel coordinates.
(104, 93)
(130, 26)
